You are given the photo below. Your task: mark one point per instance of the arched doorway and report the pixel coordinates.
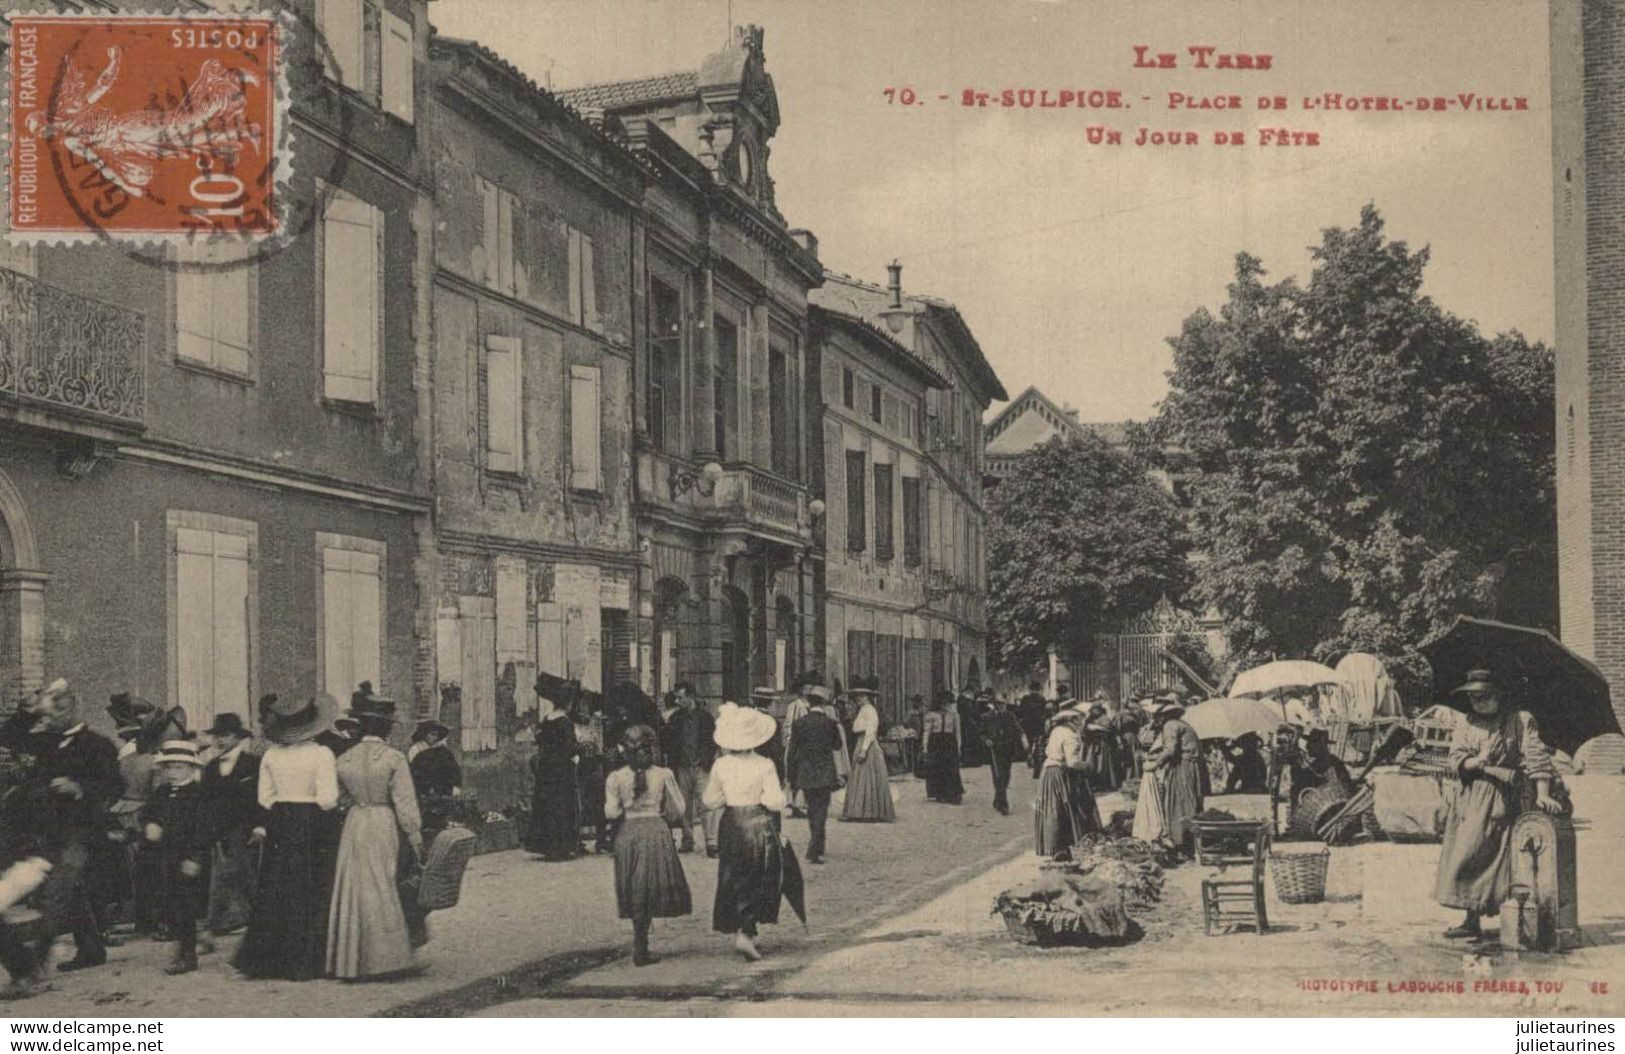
(668, 642)
(735, 645)
(22, 597)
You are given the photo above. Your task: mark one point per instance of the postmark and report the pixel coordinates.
(142, 128)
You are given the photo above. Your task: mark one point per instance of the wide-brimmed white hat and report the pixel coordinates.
(743, 728)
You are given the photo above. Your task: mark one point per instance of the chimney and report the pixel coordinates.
(894, 284)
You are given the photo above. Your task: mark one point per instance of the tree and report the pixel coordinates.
(1360, 465)
(1080, 537)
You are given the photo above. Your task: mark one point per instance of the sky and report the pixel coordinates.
(1073, 263)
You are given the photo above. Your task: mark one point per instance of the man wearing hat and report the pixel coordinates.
(767, 701)
(64, 802)
(815, 740)
(799, 706)
(689, 750)
(181, 824)
(231, 781)
(1001, 731)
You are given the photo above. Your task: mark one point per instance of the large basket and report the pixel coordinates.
(1300, 878)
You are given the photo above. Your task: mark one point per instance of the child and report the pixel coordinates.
(25, 934)
(178, 822)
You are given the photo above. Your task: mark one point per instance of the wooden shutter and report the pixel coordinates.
(478, 624)
(351, 280)
(512, 604)
(340, 23)
(504, 437)
(911, 521)
(352, 603)
(211, 623)
(585, 417)
(883, 512)
(213, 310)
(397, 47)
(857, 528)
(575, 255)
(589, 286)
(490, 223)
(507, 206)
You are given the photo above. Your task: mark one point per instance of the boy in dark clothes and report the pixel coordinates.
(180, 822)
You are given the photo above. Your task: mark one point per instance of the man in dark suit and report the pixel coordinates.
(231, 788)
(1001, 731)
(686, 741)
(64, 805)
(814, 739)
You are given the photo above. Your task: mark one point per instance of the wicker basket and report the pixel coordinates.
(1300, 878)
(497, 836)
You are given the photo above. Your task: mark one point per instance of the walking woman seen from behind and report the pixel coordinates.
(745, 785)
(643, 802)
(555, 833)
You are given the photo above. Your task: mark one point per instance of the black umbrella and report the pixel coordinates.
(1567, 695)
(791, 885)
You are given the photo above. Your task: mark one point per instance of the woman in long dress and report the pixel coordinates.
(556, 825)
(868, 792)
(1179, 771)
(299, 789)
(1064, 810)
(1148, 825)
(366, 927)
(941, 765)
(1498, 753)
(1100, 758)
(746, 786)
(643, 801)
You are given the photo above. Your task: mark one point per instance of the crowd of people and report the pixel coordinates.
(314, 849)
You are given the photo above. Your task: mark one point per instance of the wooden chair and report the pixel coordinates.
(1233, 894)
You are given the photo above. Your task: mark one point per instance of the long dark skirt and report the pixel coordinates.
(1064, 810)
(942, 782)
(649, 879)
(1102, 762)
(1181, 799)
(287, 928)
(556, 832)
(748, 872)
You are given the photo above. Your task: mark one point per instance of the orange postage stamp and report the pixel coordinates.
(138, 127)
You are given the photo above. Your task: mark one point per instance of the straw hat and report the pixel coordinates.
(743, 728)
(181, 750)
(291, 721)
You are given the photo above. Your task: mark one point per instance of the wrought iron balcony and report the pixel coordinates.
(734, 493)
(67, 352)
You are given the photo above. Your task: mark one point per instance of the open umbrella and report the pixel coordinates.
(1232, 718)
(1282, 675)
(1567, 695)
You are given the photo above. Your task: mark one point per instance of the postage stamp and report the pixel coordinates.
(142, 128)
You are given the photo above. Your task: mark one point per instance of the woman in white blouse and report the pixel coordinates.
(1065, 809)
(643, 802)
(868, 792)
(298, 789)
(746, 786)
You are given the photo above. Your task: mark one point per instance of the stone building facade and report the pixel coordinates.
(726, 580)
(211, 484)
(531, 370)
(944, 643)
(1588, 152)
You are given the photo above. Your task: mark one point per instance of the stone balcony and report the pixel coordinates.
(743, 495)
(70, 355)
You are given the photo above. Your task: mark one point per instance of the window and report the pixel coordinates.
(847, 389)
(352, 297)
(665, 362)
(500, 212)
(585, 473)
(911, 521)
(875, 398)
(369, 50)
(883, 512)
(504, 404)
(214, 310)
(857, 529)
(583, 283)
(351, 610)
(211, 560)
(778, 411)
(724, 392)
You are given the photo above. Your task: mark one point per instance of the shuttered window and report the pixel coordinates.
(342, 27)
(500, 213)
(397, 66)
(857, 527)
(883, 512)
(214, 309)
(911, 521)
(585, 440)
(211, 621)
(583, 282)
(352, 609)
(352, 298)
(504, 400)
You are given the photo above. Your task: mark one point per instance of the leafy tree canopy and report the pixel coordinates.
(1359, 464)
(1080, 536)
